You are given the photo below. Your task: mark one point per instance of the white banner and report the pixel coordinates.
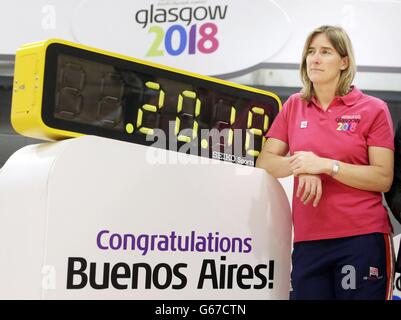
(94, 218)
(206, 36)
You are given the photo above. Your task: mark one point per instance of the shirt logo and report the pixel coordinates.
(348, 122)
(304, 124)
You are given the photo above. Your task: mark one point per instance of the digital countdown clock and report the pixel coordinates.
(63, 89)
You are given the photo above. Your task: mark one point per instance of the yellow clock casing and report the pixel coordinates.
(63, 89)
(26, 107)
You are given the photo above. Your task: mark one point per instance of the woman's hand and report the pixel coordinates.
(312, 188)
(309, 163)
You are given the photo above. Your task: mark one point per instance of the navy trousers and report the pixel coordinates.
(357, 267)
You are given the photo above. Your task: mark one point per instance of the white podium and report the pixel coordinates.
(94, 218)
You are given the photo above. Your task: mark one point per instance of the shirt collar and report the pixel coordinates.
(349, 99)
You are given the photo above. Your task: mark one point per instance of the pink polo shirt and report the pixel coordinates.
(343, 132)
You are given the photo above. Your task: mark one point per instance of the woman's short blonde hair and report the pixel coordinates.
(342, 43)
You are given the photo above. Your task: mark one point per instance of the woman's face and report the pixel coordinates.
(323, 63)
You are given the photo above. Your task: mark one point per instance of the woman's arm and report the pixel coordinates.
(273, 158)
(377, 176)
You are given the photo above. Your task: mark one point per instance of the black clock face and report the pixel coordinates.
(93, 93)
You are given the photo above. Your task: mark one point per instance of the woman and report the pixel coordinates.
(341, 155)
